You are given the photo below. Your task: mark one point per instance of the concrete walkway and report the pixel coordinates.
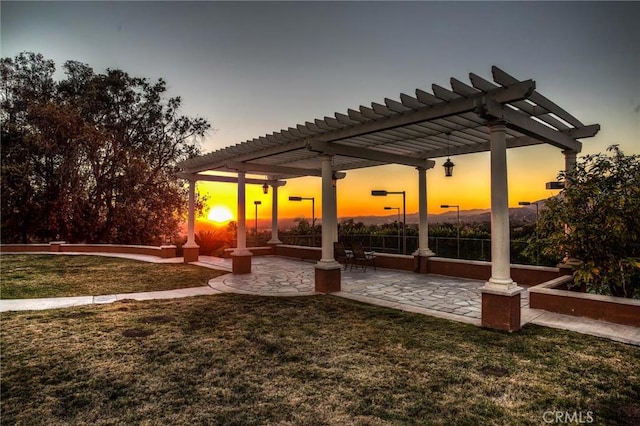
(451, 298)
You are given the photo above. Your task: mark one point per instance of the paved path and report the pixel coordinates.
(452, 298)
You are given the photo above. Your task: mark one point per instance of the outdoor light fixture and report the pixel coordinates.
(554, 185)
(313, 214)
(383, 193)
(396, 208)
(448, 165)
(265, 188)
(255, 232)
(457, 207)
(334, 179)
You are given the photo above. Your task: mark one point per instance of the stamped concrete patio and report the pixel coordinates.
(437, 295)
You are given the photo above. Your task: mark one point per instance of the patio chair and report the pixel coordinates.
(362, 257)
(341, 254)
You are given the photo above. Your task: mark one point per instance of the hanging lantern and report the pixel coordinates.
(265, 188)
(448, 167)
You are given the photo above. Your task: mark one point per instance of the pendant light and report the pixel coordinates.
(448, 165)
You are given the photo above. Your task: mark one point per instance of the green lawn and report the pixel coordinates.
(33, 276)
(238, 360)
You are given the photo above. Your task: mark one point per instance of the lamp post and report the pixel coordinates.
(256, 203)
(313, 215)
(383, 193)
(528, 203)
(396, 208)
(450, 206)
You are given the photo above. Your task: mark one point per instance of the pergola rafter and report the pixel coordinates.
(424, 126)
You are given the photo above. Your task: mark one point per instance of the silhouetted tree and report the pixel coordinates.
(92, 157)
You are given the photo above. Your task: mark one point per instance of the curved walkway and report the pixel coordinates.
(451, 298)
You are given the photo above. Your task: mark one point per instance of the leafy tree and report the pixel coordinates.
(596, 222)
(92, 157)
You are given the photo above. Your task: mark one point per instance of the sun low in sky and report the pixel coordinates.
(220, 215)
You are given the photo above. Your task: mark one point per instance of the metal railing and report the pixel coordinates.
(470, 248)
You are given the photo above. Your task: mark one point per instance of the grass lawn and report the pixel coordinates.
(238, 360)
(33, 276)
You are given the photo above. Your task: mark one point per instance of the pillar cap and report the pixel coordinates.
(328, 265)
(500, 290)
(424, 253)
(241, 252)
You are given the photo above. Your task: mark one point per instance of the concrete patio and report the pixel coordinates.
(439, 295)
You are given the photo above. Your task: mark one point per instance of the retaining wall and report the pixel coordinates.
(60, 246)
(553, 296)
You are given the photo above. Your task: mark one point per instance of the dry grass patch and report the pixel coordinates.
(232, 359)
(33, 276)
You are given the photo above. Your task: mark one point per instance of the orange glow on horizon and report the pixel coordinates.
(529, 169)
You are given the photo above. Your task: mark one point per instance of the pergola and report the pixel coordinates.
(412, 131)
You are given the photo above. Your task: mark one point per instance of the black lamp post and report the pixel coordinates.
(450, 206)
(313, 215)
(383, 193)
(255, 232)
(396, 208)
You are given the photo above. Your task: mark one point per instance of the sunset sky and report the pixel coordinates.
(255, 68)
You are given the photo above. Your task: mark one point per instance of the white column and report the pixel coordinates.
(191, 216)
(423, 230)
(500, 256)
(241, 233)
(274, 215)
(334, 193)
(329, 220)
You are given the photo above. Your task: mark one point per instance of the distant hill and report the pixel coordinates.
(516, 215)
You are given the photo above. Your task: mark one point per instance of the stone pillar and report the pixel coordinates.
(327, 274)
(241, 257)
(191, 250)
(423, 253)
(500, 295)
(274, 215)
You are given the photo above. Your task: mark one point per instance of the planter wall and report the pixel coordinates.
(524, 275)
(61, 247)
(551, 296)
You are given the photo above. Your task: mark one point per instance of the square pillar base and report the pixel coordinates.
(168, 251)
(501, 309)
(241, 263)
(190, 253)
(328, 279)
(421, 263)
